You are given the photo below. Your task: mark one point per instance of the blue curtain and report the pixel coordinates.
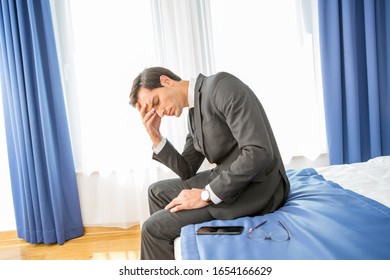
(355, 58)
(43, 179)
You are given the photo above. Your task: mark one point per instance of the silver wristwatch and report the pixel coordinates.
(205, 196)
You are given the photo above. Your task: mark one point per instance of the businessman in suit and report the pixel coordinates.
(229, 127)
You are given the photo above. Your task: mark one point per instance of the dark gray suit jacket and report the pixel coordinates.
(229, 127)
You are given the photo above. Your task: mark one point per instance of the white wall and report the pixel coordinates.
(300, 162)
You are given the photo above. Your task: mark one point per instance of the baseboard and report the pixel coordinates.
(99, 229)
(12, 234)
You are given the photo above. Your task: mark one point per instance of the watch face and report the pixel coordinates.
(205, 195)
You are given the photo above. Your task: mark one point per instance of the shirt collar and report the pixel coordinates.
(191, 93)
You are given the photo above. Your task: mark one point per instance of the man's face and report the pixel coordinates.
(164, 99)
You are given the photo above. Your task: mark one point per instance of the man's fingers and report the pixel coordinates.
(149, 117)
(143, 110)
(171, 204)
(187, 199)
(146, 115)
(175, 205)
(176, 209)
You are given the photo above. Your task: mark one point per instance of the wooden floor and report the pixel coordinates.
(98, 243)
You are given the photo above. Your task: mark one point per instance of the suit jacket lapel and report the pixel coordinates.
(191, 121)
(197, 112)
(191, 128)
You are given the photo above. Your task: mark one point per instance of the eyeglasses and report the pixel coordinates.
(258, 233)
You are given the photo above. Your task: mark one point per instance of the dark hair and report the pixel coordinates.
(150, 79)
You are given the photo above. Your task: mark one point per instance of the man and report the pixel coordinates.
(228, 127)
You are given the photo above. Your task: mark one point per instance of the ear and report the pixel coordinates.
(166, 81)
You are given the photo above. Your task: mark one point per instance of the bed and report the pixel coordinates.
(332, 213)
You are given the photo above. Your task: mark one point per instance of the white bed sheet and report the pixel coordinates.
(371, 179)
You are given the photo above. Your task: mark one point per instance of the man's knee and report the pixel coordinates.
(154, 189)
(147, 228)
(164, 189)
(158, 226)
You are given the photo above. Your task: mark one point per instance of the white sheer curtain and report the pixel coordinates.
(104, 44)
(183, 36)
(273, 47)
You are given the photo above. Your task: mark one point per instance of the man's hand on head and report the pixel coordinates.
(152, 122)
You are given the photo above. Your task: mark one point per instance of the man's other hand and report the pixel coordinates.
(187, 200)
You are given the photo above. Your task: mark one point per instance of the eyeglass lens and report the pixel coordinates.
(275, 232)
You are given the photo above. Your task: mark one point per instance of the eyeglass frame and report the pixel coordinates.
(266, 237)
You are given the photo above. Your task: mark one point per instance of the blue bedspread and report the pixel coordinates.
(324, 220)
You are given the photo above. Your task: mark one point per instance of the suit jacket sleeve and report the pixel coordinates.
(185, 165)
(249, 126)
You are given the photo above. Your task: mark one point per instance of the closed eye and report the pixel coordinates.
(155, 102)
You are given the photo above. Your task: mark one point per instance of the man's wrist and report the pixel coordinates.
(205, 196)
(157, 148)
(214, 198)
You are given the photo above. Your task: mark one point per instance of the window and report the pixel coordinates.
(113, 42)
(270, 46)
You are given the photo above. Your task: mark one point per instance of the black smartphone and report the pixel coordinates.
(220, 230)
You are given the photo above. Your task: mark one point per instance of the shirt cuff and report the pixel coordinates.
(160, 146)
(214, 198)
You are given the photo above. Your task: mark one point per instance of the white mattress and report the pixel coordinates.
(371, 179)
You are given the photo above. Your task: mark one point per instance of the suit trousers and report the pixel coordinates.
(161, 229)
